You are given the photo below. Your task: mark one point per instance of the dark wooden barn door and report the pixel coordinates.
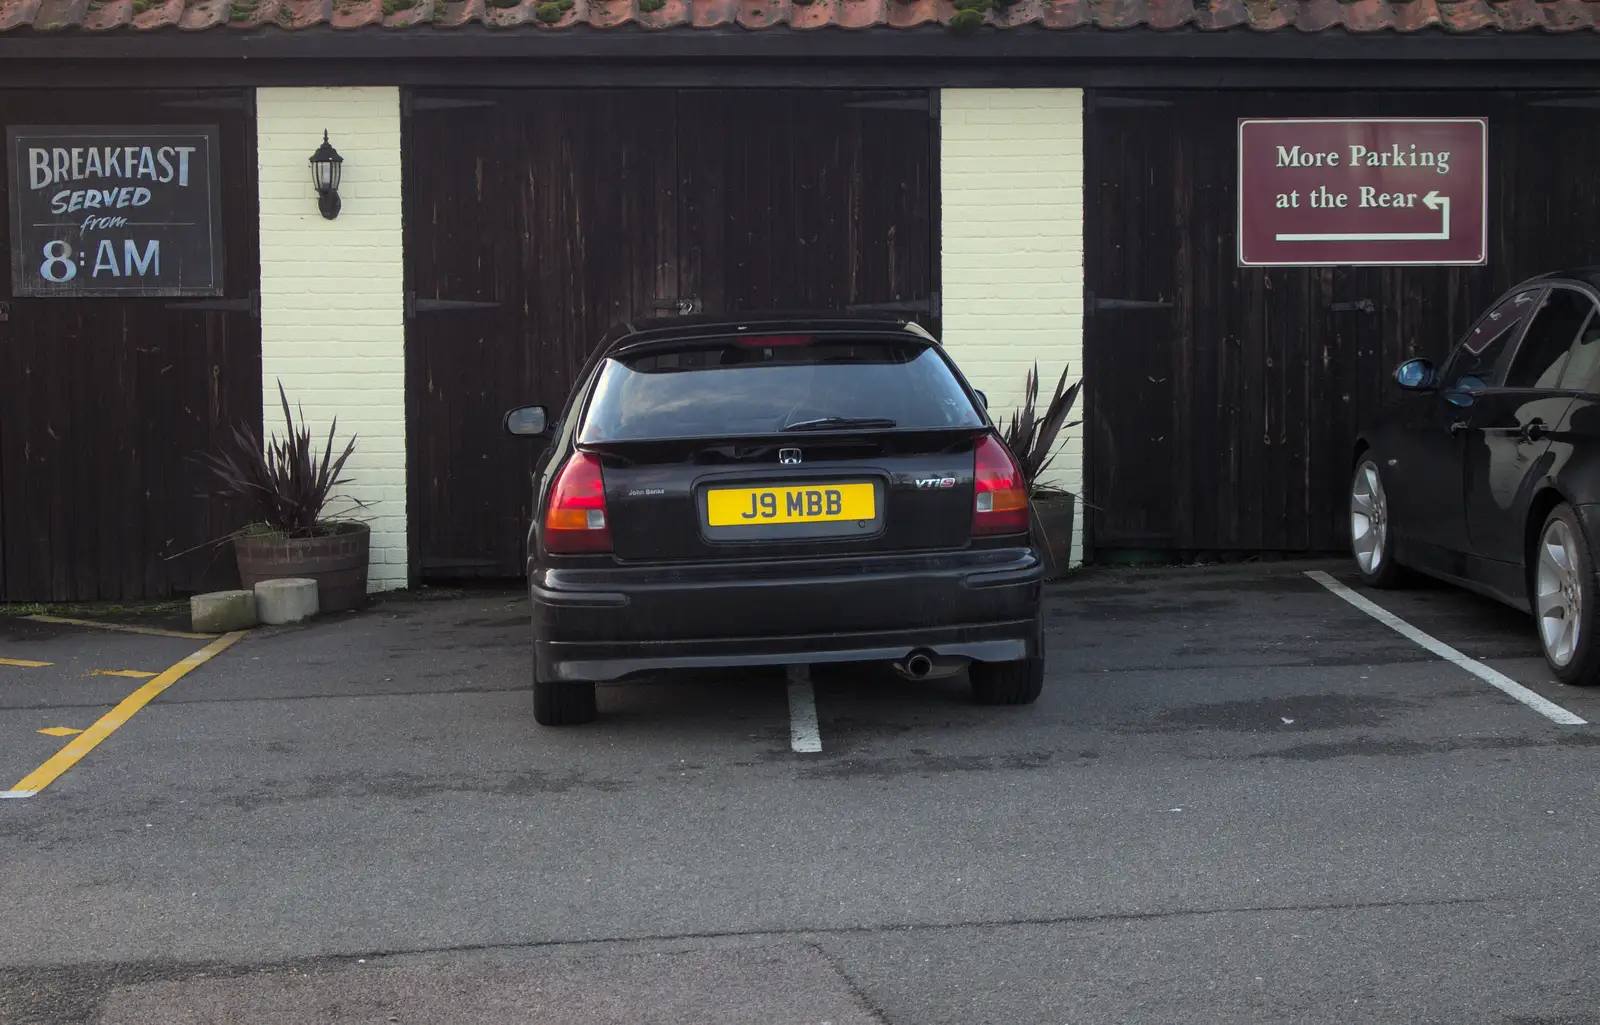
(537, 220)
(105, 402)
(1130, 310)
(814, 200)
(1224, 402)
(533, 223)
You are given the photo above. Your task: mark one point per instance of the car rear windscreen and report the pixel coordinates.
(749, 386)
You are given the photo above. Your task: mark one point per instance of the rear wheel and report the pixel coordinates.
(1566, 601)
(1371, 541)
(563, 702)
(1009, 683)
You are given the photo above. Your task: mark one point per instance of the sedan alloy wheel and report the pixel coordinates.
(1369, 519)
(1370, 542)
(1559, 593)
(1565, 601)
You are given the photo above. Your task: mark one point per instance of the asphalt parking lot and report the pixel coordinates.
(1241, 798)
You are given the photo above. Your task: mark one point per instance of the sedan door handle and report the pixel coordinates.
(1459, 426)
(1534, 430)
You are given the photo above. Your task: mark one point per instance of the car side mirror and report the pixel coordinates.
(983, 400)
(1416, 375)
(527, 421)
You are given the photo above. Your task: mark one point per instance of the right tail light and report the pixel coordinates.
(1000, 495)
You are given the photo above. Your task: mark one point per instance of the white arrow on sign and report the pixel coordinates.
(1433, 201)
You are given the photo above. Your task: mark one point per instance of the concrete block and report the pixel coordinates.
(290, 600)
(222, 611)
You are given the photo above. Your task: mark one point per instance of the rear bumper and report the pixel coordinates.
(604, 624)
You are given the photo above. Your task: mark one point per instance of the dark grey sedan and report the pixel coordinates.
(1486, 473)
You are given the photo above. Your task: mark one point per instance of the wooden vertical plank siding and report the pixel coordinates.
(106, 402)
(538, 220)
(1224, 419)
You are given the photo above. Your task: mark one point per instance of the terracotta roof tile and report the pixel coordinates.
(1360, 16)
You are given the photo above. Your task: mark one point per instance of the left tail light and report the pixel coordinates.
(575, 519)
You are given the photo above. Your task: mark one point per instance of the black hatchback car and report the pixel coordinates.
(1487, 472)
(777, 491)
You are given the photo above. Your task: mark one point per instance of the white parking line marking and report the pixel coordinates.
(804, 736)
(1493, 677)
(16, 793)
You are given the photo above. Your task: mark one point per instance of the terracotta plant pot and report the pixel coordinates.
(337, 562)
(1054, 516)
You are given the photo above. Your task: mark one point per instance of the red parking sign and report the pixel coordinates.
(1318, 192)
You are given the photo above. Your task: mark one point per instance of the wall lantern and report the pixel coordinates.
(326, 167)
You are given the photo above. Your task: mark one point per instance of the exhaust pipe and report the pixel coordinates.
(916, 666)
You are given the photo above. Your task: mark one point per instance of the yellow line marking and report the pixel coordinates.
(121, 628)
(24, 663)
(107, 724)
(132, 674)
(59, 731)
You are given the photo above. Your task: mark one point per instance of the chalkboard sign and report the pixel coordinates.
(128, 210)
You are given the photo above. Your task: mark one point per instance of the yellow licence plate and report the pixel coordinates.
(811, 503)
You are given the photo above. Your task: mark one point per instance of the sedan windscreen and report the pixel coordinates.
(770, 385)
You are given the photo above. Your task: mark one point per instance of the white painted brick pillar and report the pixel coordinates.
(1011, 196)
(332, 296)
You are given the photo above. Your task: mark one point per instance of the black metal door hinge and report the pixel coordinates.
(251, 305)
(929, 306)
(1095, 304)
(411, 103)
(415, 306)
(683, 307)
(237, 102)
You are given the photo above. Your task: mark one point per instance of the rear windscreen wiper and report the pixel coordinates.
(828, 423)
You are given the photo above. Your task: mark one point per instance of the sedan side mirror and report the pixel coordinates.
(527, 421)
(1416, 375)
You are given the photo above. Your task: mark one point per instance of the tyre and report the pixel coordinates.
(1009, 683)
(563, 702)
(1371, 540)
(1566, 601)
